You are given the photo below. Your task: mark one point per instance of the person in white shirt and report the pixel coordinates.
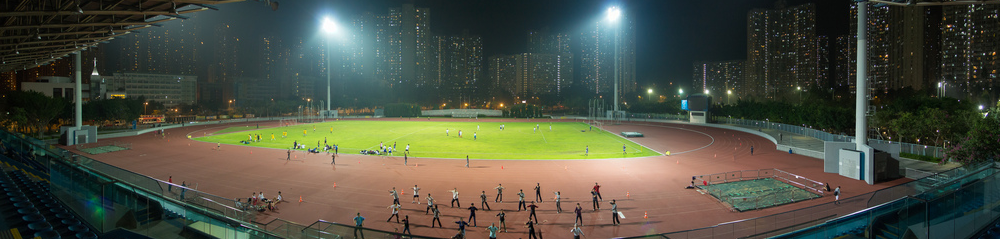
(395, 212)
(454, 198)
(576, 231)
(430, 203)
(416, 194)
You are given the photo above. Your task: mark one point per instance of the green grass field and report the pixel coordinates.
(428, 139)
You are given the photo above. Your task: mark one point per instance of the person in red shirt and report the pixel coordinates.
(597, 189)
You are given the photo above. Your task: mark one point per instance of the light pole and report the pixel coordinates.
(680, 93)
(729, 97)
(649, 94)
(613, 14)
(799, 90)
(147, 104)
(329, 27)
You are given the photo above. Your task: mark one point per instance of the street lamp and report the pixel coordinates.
(799, 90)
(147, 104)
(729, 97)
(329, 28)
(680, 93)
(613, 15)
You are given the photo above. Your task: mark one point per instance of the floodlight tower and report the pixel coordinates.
(329, 28)
(613, 15)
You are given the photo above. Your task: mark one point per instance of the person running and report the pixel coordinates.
(472, 213)
(484, 205)
(333, 159)
(437, 217)
(395, 195)
(359, 222)
(218, 146)
(576, 231)
(272, 136)
(493, 230)
(532, 214)
(499, 193)
(503, 222)
(520, 201)
(416, 194)
(579, 214)
(597, 189)
(430, 203)
(395, 212)
(454, 198)
(538, 192)
(467, 161)
(289, 155)
(407, 148)
(614, 213)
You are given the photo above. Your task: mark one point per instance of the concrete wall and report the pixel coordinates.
(831, 158)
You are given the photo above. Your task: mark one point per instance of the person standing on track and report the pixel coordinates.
(576, 231)
(484, 205)
(597, 189)
(416, 194)
(614, 213)
(558, 205)
(467, 161)
(472, 213)
(751, 150)
(493, 230)
(333, 159)
(531, 230)
(593, 194)
(430, 203)
(532, 214)
(499, 193)
(538, 192)
(395, 212)
(520, 201)
(503, 223)
(289, 155)
(454, 198)
(395, 195)
(437, 217)
(579, 214)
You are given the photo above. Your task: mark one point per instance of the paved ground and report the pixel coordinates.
(654, 184)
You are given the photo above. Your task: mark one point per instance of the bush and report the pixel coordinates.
(402, 110)
(523, 111)
(931, 159)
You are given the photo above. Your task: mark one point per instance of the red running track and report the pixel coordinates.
(655, 184)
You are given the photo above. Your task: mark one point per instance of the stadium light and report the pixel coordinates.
(330, 28)
(613, 15)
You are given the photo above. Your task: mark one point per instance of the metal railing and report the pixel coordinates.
(917, 149)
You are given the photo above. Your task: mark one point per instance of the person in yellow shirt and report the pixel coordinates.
(303, 132)
(272, 136)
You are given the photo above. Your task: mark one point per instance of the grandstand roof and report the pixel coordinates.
(37, 32)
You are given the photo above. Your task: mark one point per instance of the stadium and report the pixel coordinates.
(213, 174)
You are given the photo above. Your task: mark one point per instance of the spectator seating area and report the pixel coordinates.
(30, 211)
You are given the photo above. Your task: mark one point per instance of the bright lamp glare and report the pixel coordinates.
(649, 91)
(614, 13)
(329, 26)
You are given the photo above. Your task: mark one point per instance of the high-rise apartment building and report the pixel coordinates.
(719, 78)
(459, 70)
(502, 73)
(969, 46)
(409, 42)
(782, 50)
(597, 56)
(903, 45)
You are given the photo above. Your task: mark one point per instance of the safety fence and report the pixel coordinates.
(758, 190)
(917, 149)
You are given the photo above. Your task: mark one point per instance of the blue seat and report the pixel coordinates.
(86, 235)
(48, 234)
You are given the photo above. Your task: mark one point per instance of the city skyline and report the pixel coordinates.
(298, 51)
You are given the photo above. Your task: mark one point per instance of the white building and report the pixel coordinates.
(55, 86)
(170, 90)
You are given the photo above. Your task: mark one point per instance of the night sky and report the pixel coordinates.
(671, 34)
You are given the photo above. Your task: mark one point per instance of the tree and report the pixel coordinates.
(38, 109)
(982, 143)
